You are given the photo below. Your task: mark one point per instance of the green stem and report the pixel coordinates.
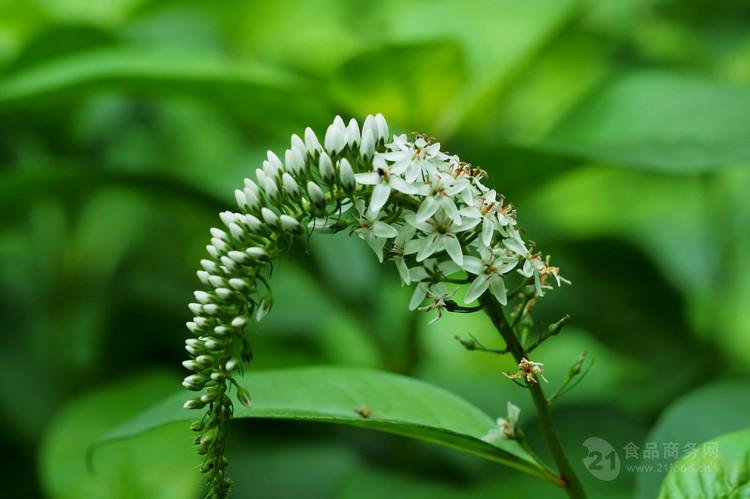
(571, 483)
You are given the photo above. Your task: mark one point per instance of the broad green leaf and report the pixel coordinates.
(148, 67)
(154, 465)
(357, 397)
(719, 469)
(697, 417)
(658, 120)
(250, 90)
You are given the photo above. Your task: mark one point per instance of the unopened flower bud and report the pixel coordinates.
(274, 162)
(219, 244)
(227, 217)
(297, 142)
(202, 276)
(290, 224)
(202, 297)
(316, 195)
(212, 251)
(256, 252)
(264, 307)
(239, 321)
(223, 293)
(352, 133)
(382, 127)
(290, 185)
(218, 233)
(195, 308)
(326, 168)
(217, 281)
(211, 309)
(236, 231)
(238, 283)
(270, 187)
(244, 397)
(228, 262)
(346, 175)
(237, 256)
(191, 365)
(194, 404)
(252, 222)
(239, 196)
(312, 145)
(367, 148)
(232, 364)
(335, 138)
(295, 160)
(209, 266)
(270, 217)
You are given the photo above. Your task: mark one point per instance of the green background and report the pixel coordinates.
(620, 129)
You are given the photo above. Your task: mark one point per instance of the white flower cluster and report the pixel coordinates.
(413, 204)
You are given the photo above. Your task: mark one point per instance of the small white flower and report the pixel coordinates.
(418, 160)
(506, 427)
(440, 233)
(437, 295)
(373, 231)
(398, 251)
(440, 192)
(384, 181)
(533, 264)
(489, 270)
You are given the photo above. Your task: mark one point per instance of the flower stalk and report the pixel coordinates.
(568, 477)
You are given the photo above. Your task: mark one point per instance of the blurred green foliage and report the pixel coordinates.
(619, 128)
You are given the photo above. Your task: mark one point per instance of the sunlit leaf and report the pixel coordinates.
(357, 397)
(697, 417)
(718, 469)
(658, 120)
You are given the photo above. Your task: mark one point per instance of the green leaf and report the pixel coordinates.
(658, 120)
(133, 65)
(718, 469)
(697, 417)
(357, 397)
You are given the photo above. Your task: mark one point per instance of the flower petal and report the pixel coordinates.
(430, 245)
(382, 229)
(428, 208)
(380, 195)
(403, 270)
(497, 288)
(369, 178)
(453, 248)
(401, 186)
(477, 288)
(420, 292)
(472, 264)
(488, 230)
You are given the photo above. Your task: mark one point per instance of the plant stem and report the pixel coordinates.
(571, 483)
